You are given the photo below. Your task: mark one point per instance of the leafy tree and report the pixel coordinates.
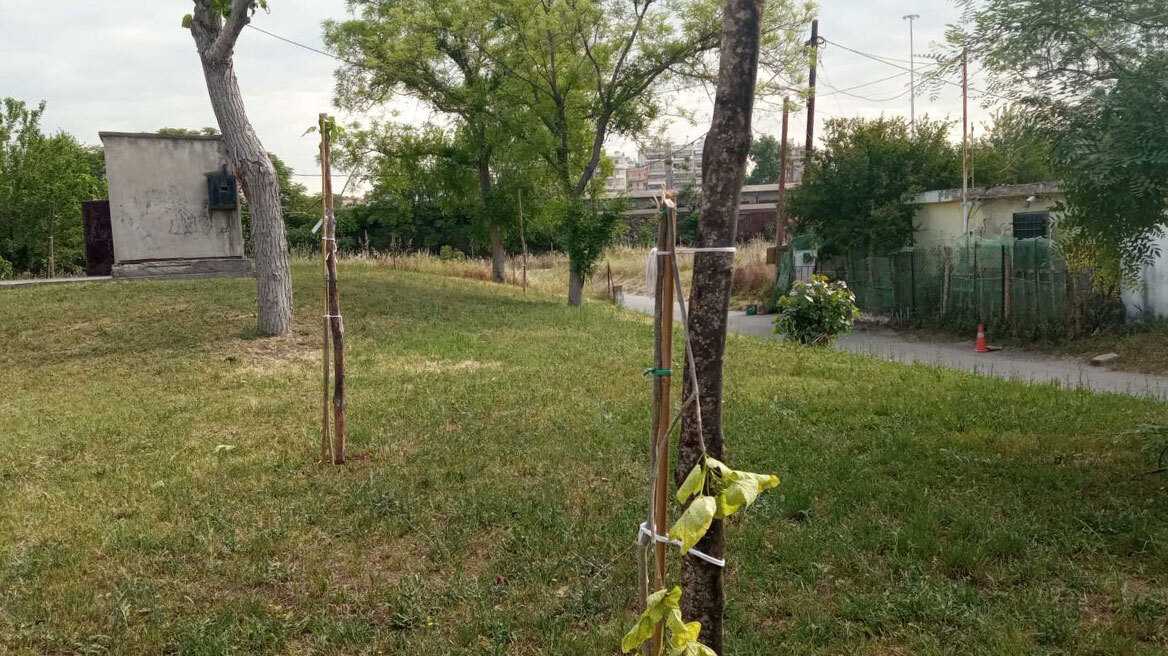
(43, 180)
(586, 69)
(766, 154)
(1091, 75)
(432, 50)
(215, 26)
(854, 192)
(1014, 152)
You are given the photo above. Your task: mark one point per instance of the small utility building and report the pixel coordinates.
(1019, 211)
(174, 207)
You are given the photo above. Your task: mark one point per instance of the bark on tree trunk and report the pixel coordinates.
(215, 39)
(494, 231)
(722, 175)
(575, 286)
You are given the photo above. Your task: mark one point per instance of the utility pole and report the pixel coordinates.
(781, 207)
(965, 141)
(669, 166)
(814, 44)
(912, 73)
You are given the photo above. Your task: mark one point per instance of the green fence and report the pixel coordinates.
(1002, 279)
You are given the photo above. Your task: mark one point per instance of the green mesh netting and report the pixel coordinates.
(974, 275)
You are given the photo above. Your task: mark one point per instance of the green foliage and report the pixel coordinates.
(43, 179)
(816, 312)
(1015, 151)
(6, 269)
(1090, 77)
(450, 254)
(766, 153)
(188, 132)
(855, 192)
(586, 230)
(681, 637)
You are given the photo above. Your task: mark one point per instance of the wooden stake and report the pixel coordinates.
(334, 305)
(523, 240)
(662, 407)
(325, 420)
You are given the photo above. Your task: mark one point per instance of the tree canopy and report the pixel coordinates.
(43, 180)
(1090, 75)
(855, 192)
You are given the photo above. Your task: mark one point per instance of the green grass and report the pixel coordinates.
(499, 472)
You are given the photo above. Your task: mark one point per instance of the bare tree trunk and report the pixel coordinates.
(723, 170)
(215, 39)
(494, 231)
(575, 286)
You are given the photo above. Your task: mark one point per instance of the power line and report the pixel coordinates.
(889, 63)
(306, 47)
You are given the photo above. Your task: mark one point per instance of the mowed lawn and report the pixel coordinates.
(159, 490)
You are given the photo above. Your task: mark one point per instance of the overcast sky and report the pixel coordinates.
(127, 65)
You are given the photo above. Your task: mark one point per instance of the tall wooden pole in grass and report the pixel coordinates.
(781, 207)
(333, 304)
(662, 384)
(724, 167)
(523, 240)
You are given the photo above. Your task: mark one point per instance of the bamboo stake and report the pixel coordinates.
(334, 305)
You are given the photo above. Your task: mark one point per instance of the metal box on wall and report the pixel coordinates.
(221, 191)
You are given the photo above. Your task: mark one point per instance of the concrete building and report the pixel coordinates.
(1021, 211)
(637, 178)
(685, 160)
(1149, 297)
(756, 208)
(619, 180)
(174, 207)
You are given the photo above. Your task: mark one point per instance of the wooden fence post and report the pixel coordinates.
(1007, 283)
(946, 276)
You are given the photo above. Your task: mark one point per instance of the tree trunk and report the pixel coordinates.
(722, 175)
(215, 42)
(494, 231)
(575, 286)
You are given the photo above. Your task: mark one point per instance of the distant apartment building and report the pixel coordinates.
(637, 178)
(685, 160)
(619, 180)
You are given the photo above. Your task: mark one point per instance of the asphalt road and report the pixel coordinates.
(1007, 364)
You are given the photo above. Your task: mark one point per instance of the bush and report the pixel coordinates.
(816, 312)
(451, 254)
(5, 269)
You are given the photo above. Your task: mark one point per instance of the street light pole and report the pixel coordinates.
(912, 67)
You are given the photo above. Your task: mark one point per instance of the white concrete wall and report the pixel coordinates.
(1151, 295)
(158, 198)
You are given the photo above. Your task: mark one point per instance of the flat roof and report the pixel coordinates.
(155, 135)
(983, 193)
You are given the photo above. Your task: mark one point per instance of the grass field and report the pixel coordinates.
(159, 492)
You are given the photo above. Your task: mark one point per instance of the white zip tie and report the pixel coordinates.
(331, 316)
(644, 532)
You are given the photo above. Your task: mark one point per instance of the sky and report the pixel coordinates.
(127, 65)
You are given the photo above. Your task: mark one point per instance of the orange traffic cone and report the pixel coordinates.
(981, 340)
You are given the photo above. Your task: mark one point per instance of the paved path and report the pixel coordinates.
(31, 282)
(1010, 365)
